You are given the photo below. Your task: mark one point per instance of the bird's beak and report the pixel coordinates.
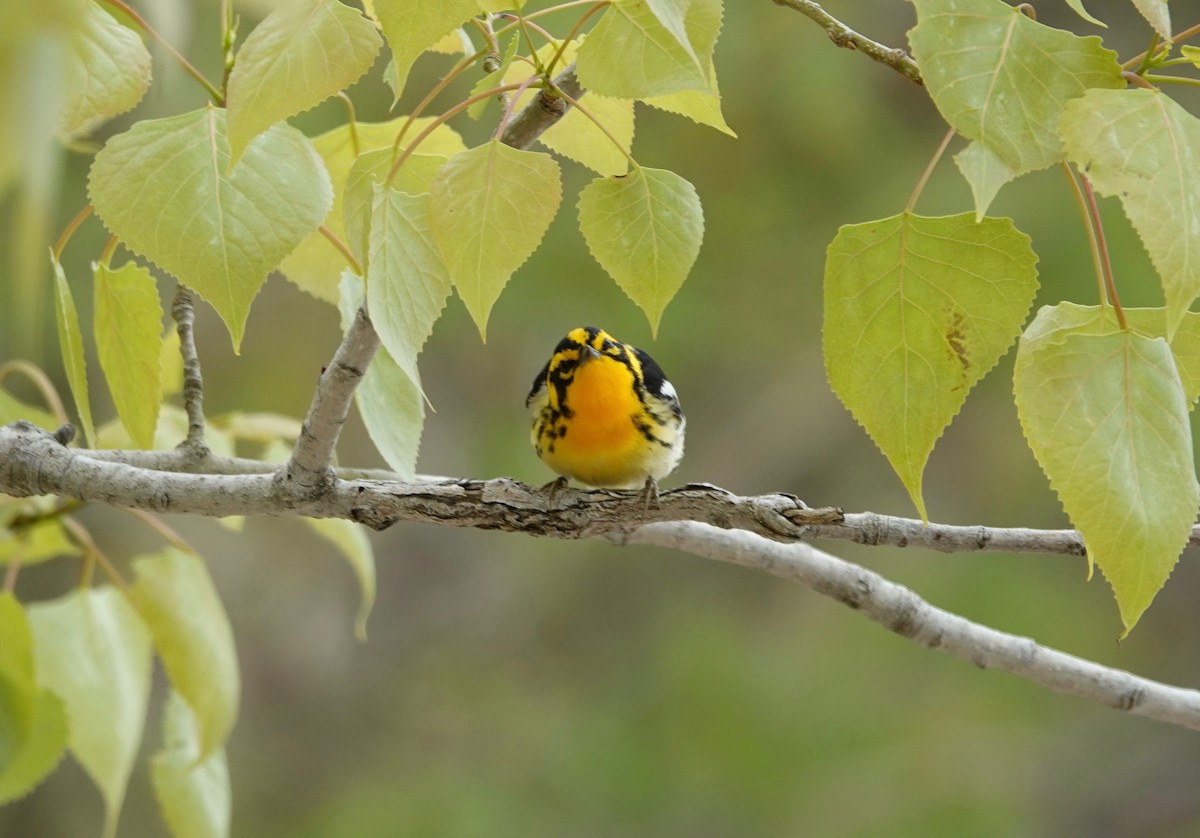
(587, 353)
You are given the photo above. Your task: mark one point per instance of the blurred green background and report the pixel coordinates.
(521, 687)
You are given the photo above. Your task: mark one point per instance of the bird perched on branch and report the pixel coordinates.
(605, 415)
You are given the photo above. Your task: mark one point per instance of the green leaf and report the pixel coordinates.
(12, 409)
(193, 793)
(170, 362)
(1191, 53)
(33, 724)
(1157, 15)
(645, 230)
(1141, 146)
(36, 543)
(703, 24)
(1105, 414)
(179, 603)
(128, 328)
(315, 266)
(415, 177)
(985, 173)
(391, 405)
(93, 652)
(917, 311)
(351, 541)
(70, 342)
(631, 55)
(1002, 79)
(494, 78)
(413, 26)
(407, 281)
(1077, 5)
(491, 207)
(301, 54)
(106, 72)
(577, 137)
(165, 189)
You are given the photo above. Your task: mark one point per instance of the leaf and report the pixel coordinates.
(917, 311)
(407, 281)
(494, 78)
(170, 362)
(1077, 5)
(415, 177)
(985, 173)
(413, 26)
(1157, 15)
(351, 541)
(703, 24)
(193, 794)
(12, 409)
(645, 231)
(35, 544)
(1144, 148)
(128, 328)
(179, 603)
(165, 189)
(70, 342)
(491, 207)
(301, 54)
(315, 266)
(391, 405)
(106, 71)
(1191, 53)
(577, 137)
(1003, 79)
(631, 55)
(33, 724)
(1106, 418)
(93, 652)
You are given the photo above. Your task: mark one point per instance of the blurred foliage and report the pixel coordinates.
(521, 687)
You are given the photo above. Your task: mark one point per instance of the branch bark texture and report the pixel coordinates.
(844, 36)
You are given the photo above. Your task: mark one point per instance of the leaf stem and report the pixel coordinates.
(93, 553)
(595, 121)
(110, 247)
(351, 120)
(454, 73)
(511, 105)
(61, 244)
(341, 248)
(1090, 228)
(1141, 59)
(562, 47)
(41, 381)
(157, 524)
(560, 7)
(920, 187)
(1161, 79)
(429, 129)
(1106, 263)
(216, 94)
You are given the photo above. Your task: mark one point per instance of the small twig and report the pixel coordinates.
(183, 309)
(844, 36)
(542, 111)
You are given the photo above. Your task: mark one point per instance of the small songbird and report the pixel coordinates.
(604, 414)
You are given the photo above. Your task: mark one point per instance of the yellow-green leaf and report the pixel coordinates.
(413, 26)
(1077, 5)
(577, 137)
(1002, 79)
(164, 187)
(1105, 414)
(1143, 147)
(369, 170)
(315, 266)
(301, 54)
(106, 71)
(33, 723)
(93, 652)
(171, 363)
(407, 281)
(35, 543)
(985, 173)
(12, 409)
(193, 793)
(128, 325)
(491, 207)
(645, 230)
(917, 311)
(392, 407)
(632, 55)
(703, 24)
(351, 541)
(1157, 15)
(70, 342)
(177, 599)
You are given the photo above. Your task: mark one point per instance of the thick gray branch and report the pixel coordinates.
(545, 110)
(898, 609)
(758, 532)
(183, 310)
(844, 36)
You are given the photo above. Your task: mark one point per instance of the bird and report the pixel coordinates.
(605, 415)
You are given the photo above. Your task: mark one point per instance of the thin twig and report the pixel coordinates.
(216, 94)
(844, 36)
(183, 310)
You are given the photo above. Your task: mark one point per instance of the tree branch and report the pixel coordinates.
(183, 309)
(308, 472)
(844, 36)
(761, 533)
